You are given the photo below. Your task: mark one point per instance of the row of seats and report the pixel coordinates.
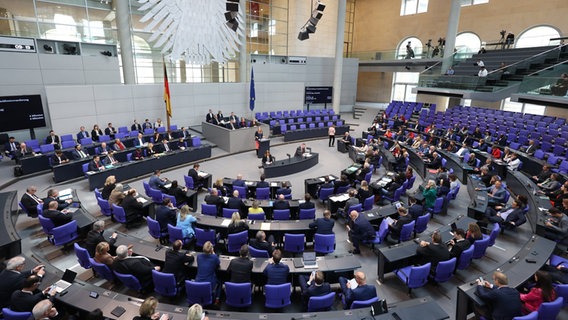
(292, 113)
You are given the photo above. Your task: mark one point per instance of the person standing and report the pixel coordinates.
(331, 134)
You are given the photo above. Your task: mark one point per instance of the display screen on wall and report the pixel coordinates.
(21, 112)
(318, 95)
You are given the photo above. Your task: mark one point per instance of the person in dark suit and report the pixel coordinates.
(53, 195)
(240, 269)
(323, 225)
(281, 203)
(395, 228)
(531, 149)
(207, 264)
(235, 202)
(300, 150)
(341, 182)
(239, 182)
(433, 252)
(262, 183)
(284, 189)
(25, 299)
(131, 206)
(136, 126)
(82, 134)
(30, 201)
(327, 183)
(79, 153)
(314, 286)
(267, 158)
(178, 145)
(415, 209)
(276, 272)
(58, 158)
(12, 278)
(110, 130)
(502, 302)
(166, 214)
(164, 146)
(156, 182)
(458, 244)
(96, 132)
(24, 151)
(209, 117)
(147, 124)
(260, 242)
(232, 125)
(177, 262)
(96, 236)
(96, 164)
(363, 291)
(237, 225)
(512, 215)
(352, 201)
(53, 139)
(180, 193)
(183, 133)
(215, 199)
(140, 141)
(58, 218)
(307, 204)
(359, 229)
(139, 266)
(110, 159)
(11, 147)
(435, 162)
(194, 174)
(233, 117)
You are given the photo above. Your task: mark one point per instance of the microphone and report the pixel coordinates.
(288, 156)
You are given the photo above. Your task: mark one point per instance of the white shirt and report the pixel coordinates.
(482, 73)
(514, 164)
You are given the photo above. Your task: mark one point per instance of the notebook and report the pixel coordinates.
(66, 281)
(309, 259)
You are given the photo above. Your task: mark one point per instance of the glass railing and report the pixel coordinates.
(471, 83)
(548, 83)
(389, 55)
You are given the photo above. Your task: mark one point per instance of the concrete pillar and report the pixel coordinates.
(243, 54)
(452, 32)
(125, 40)
(338, 74)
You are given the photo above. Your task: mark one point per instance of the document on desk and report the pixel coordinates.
(339, 198)
(71, 209)
(322, 179)
(265, 226)
(389, 220)
(202, 174)
(225, 222)
(353, 283)
(141, 200)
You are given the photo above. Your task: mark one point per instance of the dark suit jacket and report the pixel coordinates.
(433, 253)
(299, 151)
(236, 203)
(415, 211)
(8, 147)
(239, 183)
(240, 270)
(29, 203)
(262, 184)
(11, 281)
(55, 160)
(59, 218)
(22, 153)
(360, 293)
(517, 216)
(131, 206)
(323, 226)
(176, 264)
(82, 135)
(458, 248)
(397, 227)
(265, 245)
(25, 302)
(110, 131)
(136, 127)
(93, 166)
(165, 215)
(216, 200)
(139, 267)
(316, 291)
(62, 204)
(276, 273)
(505, 301)
(93, 239)
(52, 139)
(75, 154)
(306, 205)
(435, 163)
(193, 174)
(281, 205)
(361, 228)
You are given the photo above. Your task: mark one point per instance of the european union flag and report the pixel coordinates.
(252, 91)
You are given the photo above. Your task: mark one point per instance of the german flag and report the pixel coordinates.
(167, 92)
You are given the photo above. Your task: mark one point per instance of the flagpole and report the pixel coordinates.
(167, 97)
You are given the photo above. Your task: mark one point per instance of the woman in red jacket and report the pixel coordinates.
(541, 292)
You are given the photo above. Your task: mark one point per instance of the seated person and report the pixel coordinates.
(137, 154)
(96, 236)
(185, 221)
(496, 193)
(543, 291)
(346, 138)
(314, 286)
(543, 175)
(30, 201)
(180, 193)
(284, 189)
(138, 266)
(59, 158)
(342, 182)
(556, 226)
(281, 203)
(255, 208)
(361, 173)
(433, 252)
(96, 164)
(235, 202)
(359, 229)
(58, 218)
(260, 242)
(240, 268)
(164, 146)
(323, 225)
(391, 187)
(221, 189)
(11, 147)
(177, 262)
(25, 299)
(262, 183)
(151, 150)
(267, 158)
(178, 145)
(53, 195)
(166, 214)
(435, 162)
(110, 159)
(561, 86)
(513, 163)
(104, 149)
(158, 183)
(133, 209)
(239, 182)
(458, 244)
(395, 227)
(362, 292)
(550, 185)
(214, 199)
(79, 153)
(510, 216)
(352, 201)
(276, 272)
(118, 145)
(307, 204)
(473, 233)
(415, 209)
(194, 174)
(363, 192)
(237, 224)
(502, 302)
(102, 254)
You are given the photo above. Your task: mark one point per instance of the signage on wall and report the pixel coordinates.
(17, 44)
(318, 95)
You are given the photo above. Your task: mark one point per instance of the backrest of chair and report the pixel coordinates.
(67, 144)
(202, 236)
(494, 233)
(164, 283)
(257, 216)
(294, 242)
(129, 281)
(343, 189)
(358, 304)
(13, 315)
(321, 303)
(531, 316)
(562, 291)
(238, 294)
(172, 199)
(118, 213)
(406, 231)
(357, 207)
(256, 253)
(324, 193)
(82, 256)
(45, 148)
(368, 203)
(146, 188)
(283, 214)
(23, 207)
(465, 258)
(398, 193)
(307, 213)
(324, 243)
(421, 223)
(439, 204)
(445, 270)
(209, 209)
(368, 176)
(153, 228)
(188, 182)
(480, 246)
(263, 193)
(102, 269)
(65, 233)
(198, 292)
(236, 240)
(277, 295)
(174, 233)
(383, 230)
(156, 195)
(46, 224)
(104, 205)
(550, 310)
(419, 275)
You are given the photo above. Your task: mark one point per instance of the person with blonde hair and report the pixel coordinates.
(102, 255)
(255, 208)
(110, 183)
(237, 225)
(184, 221)
(195, 312)
(148, 310)
(207, 264)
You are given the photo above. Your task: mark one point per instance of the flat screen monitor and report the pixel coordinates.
(21, 112)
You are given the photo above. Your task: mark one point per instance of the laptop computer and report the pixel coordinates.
(66, 281)
(309, 259)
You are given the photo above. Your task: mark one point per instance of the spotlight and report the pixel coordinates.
(106, 53)
(303, 35)
(233, 24)
(232, 7)
(321, 6)
(310, 26)
(69, 49)
(48, 48)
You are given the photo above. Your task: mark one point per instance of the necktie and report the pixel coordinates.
(82, 154)
(166, 147)
(35, 198)
(59, 159)
(13, 146)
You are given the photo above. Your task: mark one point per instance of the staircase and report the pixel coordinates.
(358, 112)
